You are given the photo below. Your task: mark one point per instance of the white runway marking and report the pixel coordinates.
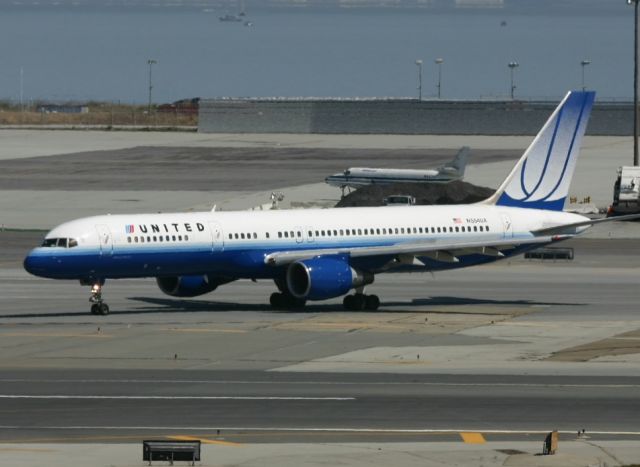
(241, 398)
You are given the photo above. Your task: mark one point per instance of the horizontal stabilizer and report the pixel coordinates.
(570, 229)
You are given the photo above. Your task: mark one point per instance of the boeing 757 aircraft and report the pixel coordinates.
(356, 177)
(325, 253)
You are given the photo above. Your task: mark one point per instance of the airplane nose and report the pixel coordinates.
(34, 264)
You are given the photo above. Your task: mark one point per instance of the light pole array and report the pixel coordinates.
(150, 62)
(419, 65)
(635, 81)
(512, 66)
(584, 63)
(439, 62)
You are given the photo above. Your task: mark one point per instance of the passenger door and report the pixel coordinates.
(217, 238)
(105, 238)
(507, 226)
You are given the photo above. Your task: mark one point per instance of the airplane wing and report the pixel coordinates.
(569, 229)
(407, 252)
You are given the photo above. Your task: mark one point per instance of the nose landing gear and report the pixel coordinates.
(98, 307)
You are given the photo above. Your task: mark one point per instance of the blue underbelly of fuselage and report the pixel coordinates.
(240, 262)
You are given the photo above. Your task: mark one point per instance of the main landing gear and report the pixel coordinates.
(98, 307)
(285, 301)
(360, 301)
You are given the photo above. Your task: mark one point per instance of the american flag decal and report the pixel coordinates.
(129, 228)
(457, 220)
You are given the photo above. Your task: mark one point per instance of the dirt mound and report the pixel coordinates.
(456, 192)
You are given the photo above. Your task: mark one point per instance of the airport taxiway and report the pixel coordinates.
(506, 352)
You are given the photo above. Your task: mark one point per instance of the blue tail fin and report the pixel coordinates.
(541, 178)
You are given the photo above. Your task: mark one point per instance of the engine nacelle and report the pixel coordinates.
(324, 277)
(189, 286)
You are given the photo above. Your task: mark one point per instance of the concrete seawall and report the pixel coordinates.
(398, 116)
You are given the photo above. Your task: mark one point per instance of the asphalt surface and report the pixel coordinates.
(256, 407)
(461, 351)
(431, 360)
(208, 169)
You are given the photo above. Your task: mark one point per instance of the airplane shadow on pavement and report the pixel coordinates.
(169, 305)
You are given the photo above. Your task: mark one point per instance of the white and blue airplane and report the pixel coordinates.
(323, 254)
(356, 177)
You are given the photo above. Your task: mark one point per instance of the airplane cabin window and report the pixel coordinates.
(457, 229)
(279, 234)
(242, 236)
(155, 239)
(255, 235)
(166, 237)
(335, 233)
(173, 238)
(129, 239)
(266, 234)
(359, 231)
(299, 234)
(141, 239)
(230, 236)
(186, 237)
(135, 239)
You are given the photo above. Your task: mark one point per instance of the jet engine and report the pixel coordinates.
(189, 286)
(324, 277)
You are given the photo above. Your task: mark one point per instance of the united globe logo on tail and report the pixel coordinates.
(541, 179)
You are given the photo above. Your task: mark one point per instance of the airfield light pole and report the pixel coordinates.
(635, 81)
(584, 63)
(21, 89)
(439, 62)
(150, 62)
(512, 67)
(419, 65)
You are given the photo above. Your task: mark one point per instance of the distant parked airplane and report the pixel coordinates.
(357, 177)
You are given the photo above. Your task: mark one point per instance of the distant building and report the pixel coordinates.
(479, 3)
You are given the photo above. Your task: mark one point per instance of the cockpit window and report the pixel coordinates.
(60, 242)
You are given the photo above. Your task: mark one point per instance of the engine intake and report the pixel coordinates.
(189, 286)
(324, 277)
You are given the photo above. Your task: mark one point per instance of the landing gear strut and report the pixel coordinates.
(98, 307)
(360, 301)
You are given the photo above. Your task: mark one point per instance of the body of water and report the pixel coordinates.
(74, 53)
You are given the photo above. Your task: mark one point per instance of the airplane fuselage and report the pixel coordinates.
(362, 176)
(236, 244)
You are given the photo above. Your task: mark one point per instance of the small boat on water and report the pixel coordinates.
(230, 18)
